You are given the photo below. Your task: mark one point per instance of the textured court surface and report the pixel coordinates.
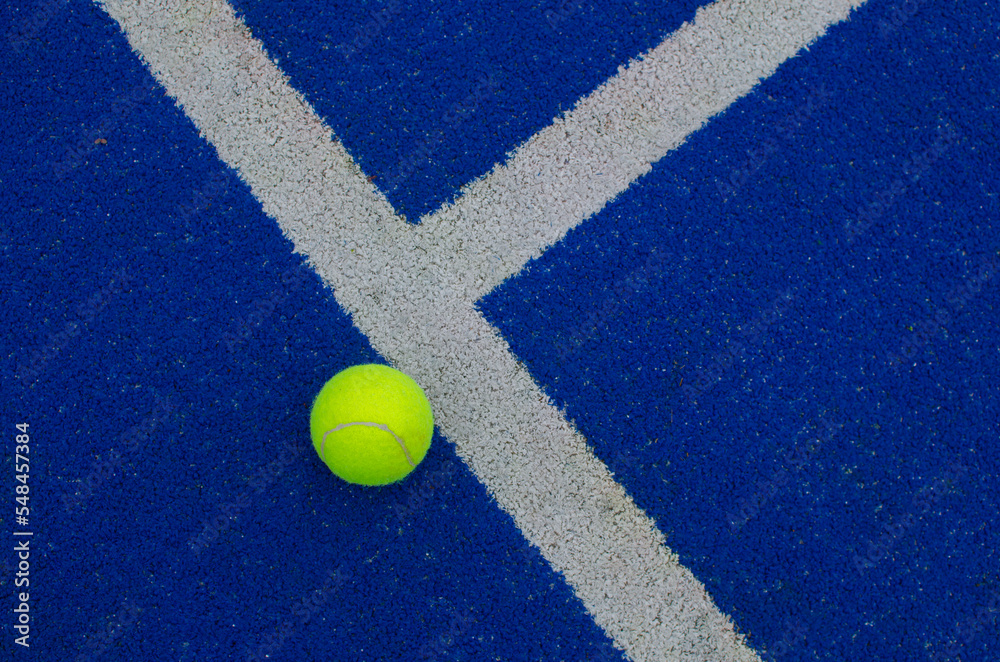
(715, 361)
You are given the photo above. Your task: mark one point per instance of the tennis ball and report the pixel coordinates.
(371, 424)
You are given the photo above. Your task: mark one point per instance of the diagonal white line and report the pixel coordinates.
(411, 291)
(570, 170)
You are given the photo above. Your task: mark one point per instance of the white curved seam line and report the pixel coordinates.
(380, 426)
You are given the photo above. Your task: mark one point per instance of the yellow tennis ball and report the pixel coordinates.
(371, 424)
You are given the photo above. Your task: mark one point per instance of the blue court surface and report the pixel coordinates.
(778, 339)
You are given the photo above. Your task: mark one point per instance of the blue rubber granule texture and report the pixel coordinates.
(163, 341)
(428, 96)
(783, 343)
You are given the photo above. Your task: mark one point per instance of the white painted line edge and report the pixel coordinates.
(570, 170)
(411, 291)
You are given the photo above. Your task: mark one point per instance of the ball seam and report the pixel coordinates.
(380, 426)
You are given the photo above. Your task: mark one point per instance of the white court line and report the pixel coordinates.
(412, 290)
(568, 171)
